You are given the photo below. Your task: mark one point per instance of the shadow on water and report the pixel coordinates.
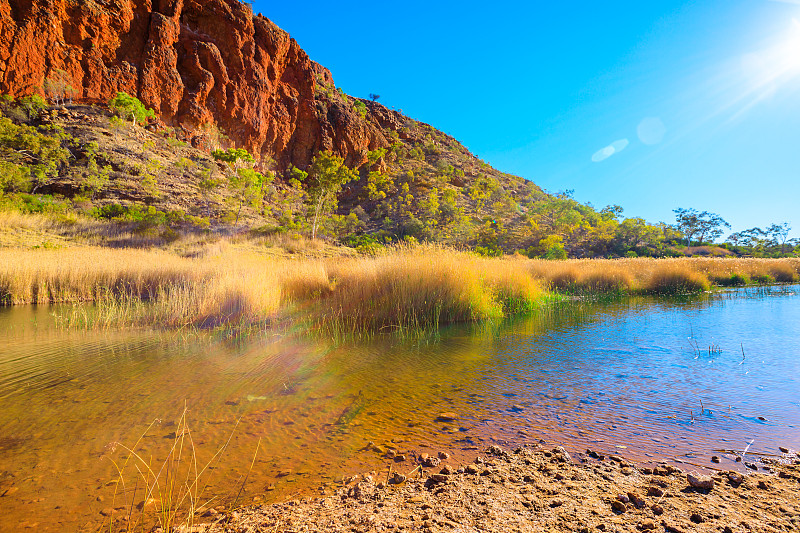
(625, 376)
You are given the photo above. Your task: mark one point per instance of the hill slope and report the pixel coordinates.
(218, 76)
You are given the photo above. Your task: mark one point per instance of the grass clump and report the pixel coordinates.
(734, 280)
(672, 279)
(165, 493)
(420, 289)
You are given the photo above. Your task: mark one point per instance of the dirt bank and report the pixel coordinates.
(536, 489)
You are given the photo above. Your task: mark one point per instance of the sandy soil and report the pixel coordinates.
(540, 490)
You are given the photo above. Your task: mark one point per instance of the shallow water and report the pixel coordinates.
(624, 377)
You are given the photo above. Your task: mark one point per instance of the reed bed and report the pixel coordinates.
(660, 276)
(406, 288)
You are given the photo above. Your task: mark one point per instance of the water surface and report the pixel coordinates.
(625, 377)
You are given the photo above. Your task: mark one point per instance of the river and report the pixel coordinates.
(649, 379)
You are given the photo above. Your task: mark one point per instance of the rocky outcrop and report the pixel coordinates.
(202, 65)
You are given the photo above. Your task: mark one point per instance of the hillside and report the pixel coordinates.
(219, 77)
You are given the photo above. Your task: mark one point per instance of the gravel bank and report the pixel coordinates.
(535, 489)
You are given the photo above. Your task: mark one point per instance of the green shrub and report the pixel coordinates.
(32, 106)
(29, 156)
(735, 280)
(130, 108)
(360, 108)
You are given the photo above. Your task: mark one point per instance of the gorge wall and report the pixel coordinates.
(197, 63)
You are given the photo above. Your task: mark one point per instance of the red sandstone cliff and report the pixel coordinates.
(196, 62)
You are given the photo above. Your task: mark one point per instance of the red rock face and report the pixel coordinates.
(198, 63)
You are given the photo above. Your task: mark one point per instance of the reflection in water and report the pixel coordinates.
(626, 376)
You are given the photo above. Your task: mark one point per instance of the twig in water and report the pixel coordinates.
(691, 417)
(743, 356)
(702, 409)
(418, 467)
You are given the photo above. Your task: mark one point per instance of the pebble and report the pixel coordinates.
(444, 456)
(447, 417)
(636, 500)
(657, 509)
(618, 506)
(700, 482)
(562, 454)
(714, 459)
(783, 450)
(647, 525)
(10, 491)
(655, 491)
(735, 478)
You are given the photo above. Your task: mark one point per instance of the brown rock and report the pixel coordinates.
(735, 478)
(657, 509)
(636, 500)
(618, 506)
(647, 525)
(700, 482)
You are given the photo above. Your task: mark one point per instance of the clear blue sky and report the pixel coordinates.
(649, 105)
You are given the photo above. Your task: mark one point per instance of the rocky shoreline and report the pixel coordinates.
(541, 490)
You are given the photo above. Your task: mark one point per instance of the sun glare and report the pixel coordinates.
(789, 52)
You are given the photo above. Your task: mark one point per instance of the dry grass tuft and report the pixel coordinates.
(421, 288)
(676, 279)
(660, 276)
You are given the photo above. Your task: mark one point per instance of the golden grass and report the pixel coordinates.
(171, 491)
(659, 276)
(420, 288)
(407, 288)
